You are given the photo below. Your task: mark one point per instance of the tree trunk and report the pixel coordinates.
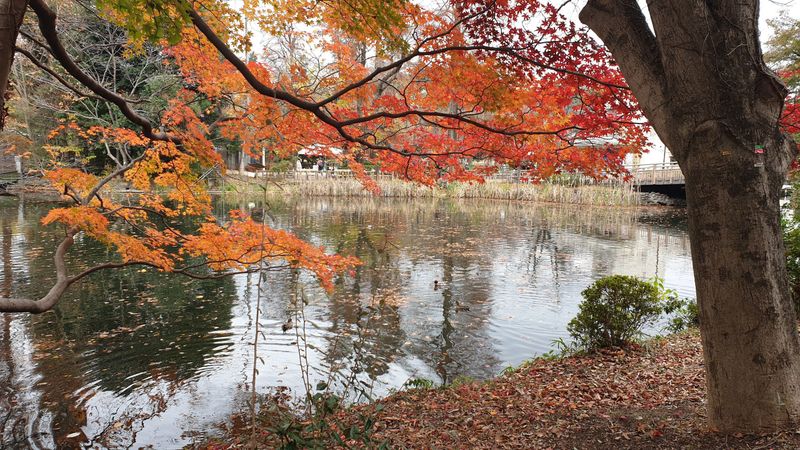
(697, 71)
(748, 325)
(11, 14)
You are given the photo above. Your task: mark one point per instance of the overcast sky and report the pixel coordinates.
(769, 9)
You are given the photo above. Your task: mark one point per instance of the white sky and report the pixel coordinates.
(770, 9)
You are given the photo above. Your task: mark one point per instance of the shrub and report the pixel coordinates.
(614, 310)
(321, 428)
(284, 165)
(419, 383)
(685, 314)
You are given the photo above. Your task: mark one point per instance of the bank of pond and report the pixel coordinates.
(642, 396)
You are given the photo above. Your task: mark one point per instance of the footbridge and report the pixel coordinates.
(665, 178)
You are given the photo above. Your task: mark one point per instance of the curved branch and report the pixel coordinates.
(63, 281)
(53, 74)
(106, 179)
(457, 117)
(33, 39)
(241, 66)
(396, 65)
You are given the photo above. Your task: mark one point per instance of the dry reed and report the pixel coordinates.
(611, 194)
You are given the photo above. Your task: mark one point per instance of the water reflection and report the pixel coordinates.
(135, 358)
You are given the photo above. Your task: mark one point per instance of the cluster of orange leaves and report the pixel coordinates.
(242, 242)
(142, 225)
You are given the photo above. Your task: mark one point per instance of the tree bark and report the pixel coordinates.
(11, 14)
(700, 80)
(748, 324)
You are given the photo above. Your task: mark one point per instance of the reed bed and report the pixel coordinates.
(599, 195)
(611, 194)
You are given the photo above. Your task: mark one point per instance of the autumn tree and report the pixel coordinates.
(41, 100)
(697, 70)
(784, 47)
(507, 81)
(431, 77)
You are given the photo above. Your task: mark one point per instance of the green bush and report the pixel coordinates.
(685, 314)
(614, 310)
(419, 383)
(284, 165)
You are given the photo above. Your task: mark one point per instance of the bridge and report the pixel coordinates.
(664, 178)
(656, 174)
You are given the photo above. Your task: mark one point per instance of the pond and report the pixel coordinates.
(133, 358)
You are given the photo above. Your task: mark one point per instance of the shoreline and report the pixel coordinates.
(611, 194)
(649, 396)
(600, 195)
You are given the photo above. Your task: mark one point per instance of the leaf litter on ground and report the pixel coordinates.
(648, 396)
(640, 397)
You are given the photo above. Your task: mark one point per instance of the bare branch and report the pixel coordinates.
(47, 26)
(55, 75)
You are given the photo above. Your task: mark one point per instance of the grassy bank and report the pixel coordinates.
(648, 397)
(597, 195)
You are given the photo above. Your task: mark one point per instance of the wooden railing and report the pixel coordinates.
(661, 173)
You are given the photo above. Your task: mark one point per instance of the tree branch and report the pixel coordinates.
(53, 74)
(623, 28)
(63, 281)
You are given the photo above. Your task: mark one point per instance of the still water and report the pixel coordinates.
(133, 358)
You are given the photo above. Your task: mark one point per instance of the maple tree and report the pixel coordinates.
(434, 100)
(784, 56)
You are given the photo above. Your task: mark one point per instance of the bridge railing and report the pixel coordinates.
(659, 173)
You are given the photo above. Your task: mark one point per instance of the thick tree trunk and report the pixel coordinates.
(748, 326)
(697, 71)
